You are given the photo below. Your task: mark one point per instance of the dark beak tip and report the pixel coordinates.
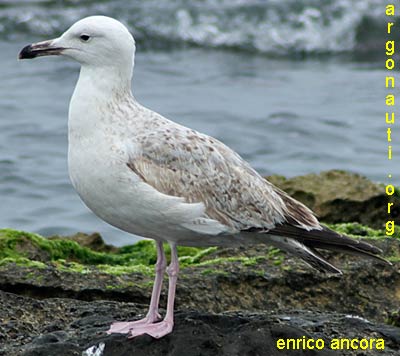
(26, 53)
(40, 49)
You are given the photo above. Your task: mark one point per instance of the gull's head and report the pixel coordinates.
(93, 41)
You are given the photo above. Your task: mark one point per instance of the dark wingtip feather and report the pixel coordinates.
(327, 239)
(320, 264)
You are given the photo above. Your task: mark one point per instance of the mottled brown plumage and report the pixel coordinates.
(184, 163)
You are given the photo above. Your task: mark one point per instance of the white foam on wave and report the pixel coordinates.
(277, 27)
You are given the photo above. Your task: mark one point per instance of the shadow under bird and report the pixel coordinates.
(152, 177)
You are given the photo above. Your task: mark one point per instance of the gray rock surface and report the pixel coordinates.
(74, 327)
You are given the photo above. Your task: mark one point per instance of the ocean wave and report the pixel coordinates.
(274, 27)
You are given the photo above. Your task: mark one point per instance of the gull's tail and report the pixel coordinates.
(303, 243)
(302, 235)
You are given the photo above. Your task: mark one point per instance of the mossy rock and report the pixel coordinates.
(394, 318)
(25, 248)
(93, 241)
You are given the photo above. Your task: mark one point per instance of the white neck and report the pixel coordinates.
(104, 81)
(97, 88)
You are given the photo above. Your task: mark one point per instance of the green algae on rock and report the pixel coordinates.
(24, 248)
(358, 230)
(20, 244)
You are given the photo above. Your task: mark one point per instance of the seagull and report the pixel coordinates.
(152, 177)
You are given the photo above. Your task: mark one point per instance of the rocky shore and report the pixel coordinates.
(59, 295)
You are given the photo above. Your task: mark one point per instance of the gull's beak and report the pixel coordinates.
(45, 48)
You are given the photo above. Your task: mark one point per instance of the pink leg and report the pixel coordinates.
(152, 315)
(162, 328)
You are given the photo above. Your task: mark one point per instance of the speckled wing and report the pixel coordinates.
(184, 163)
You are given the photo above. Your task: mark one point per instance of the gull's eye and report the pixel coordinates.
(84, 38)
